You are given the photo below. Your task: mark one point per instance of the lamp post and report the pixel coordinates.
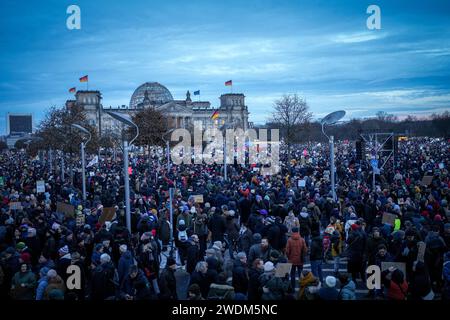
(330, 119)
(168, 147)
(171, 190)
(83, 156)
(126, 120)
(225, 165)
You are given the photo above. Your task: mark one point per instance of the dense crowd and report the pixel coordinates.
(235, 241)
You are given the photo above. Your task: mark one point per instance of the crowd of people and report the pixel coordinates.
(249, 237)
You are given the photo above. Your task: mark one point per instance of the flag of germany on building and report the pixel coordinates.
(84, 79)
(229, 83)
(72, 90)
(215, 115)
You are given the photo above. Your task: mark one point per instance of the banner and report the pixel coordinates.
(398, 265)
(426, 180)
(65, 208)
(40, 186)
(389, 218)
(93, 162)
(107, 215)
(301, 183)
(283, 269)
(198, 198)
(15, 206)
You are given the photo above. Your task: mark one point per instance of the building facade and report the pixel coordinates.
(180, 113)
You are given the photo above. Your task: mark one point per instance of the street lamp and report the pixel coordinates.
(330, 119)
(168, 147)
(225, 166)
(83, 156)
(126, 120)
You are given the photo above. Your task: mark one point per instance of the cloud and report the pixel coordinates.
(358, 37)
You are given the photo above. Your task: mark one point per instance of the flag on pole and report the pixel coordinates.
(94, 161)
(215, 115)
(229, 83)
(84, 79)
(72, 90)
(197, 93)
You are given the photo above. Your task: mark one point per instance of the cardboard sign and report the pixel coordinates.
(40, 186)
(398, 265)
(15, 206)
(65, 208)
(426, 180)
(301, 183)
(107, 215)
(389, 218)
(198, 198)
(255, 169)
(283, 269)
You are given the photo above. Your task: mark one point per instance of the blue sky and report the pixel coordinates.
(320, 49)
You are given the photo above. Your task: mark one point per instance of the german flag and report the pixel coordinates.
(84, 79)
(72, 90)
(215, 115)
(229, 83)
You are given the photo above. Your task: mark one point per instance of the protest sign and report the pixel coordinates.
(302, 183)
(421, 251)
(65, 208)
(388, 218)
(40, 186)
(283, 269)
(426, 180)
(15, 206)
(198, 198)
(107, 215)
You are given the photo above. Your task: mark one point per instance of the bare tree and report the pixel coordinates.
(152, 125)
(290, 114)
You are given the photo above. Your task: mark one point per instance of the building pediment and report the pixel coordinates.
(172, 107)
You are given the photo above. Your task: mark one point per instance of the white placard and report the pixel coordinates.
(40, 186)
(302, 183)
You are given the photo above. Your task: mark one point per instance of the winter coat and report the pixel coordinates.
(326, 293)
(254, 290)
(202, 281)
(168, 285)
(245, 241)
(125, 262)
(217, 225)
(316, 250)
(55, 284)
(240, 277)
(296, 249)
(372, 247)
(193, 256)
(254, 252)
(104, 282)
(25, 292)
(278, 288)
(347, 292)
(137, 287)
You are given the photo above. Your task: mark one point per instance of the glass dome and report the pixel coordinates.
(156, 92)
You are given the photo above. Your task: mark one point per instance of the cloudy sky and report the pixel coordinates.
(320, 49)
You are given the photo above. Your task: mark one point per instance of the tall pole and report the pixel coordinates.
(62, 167)
(83, 171)
(171, 219)
(168, 156)
(225, 173)
(333, 186)
(127, 185)
(50, 159)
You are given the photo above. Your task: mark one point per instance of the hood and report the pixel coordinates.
(350, 286)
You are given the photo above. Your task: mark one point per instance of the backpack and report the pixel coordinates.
(182, 235)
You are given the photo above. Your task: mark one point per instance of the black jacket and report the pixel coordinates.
(254, 290)
(193, 256)
(316, 248)
(240, 277)
(217, 226)
(168, 285)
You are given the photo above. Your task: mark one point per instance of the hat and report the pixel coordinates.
(105, 258)
(55, 226)
(231, 213)
(25, 257)
(52, 273)
(274, 254)
(270, 219)
(64, 250)
(44, 270)
(437, 218)
(330, 281)
(20, 246)
(171, 262)
(263, 212)
(193, 210)
(75, 256)
(241, 255)
(268, 266)
(217, 245)
(354, 227)
(123, 248)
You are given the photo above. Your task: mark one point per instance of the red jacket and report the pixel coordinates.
(296, 249)
(397, 292)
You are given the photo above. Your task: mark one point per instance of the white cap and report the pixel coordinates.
(330, 281)
(268, 266)
(104, 258)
